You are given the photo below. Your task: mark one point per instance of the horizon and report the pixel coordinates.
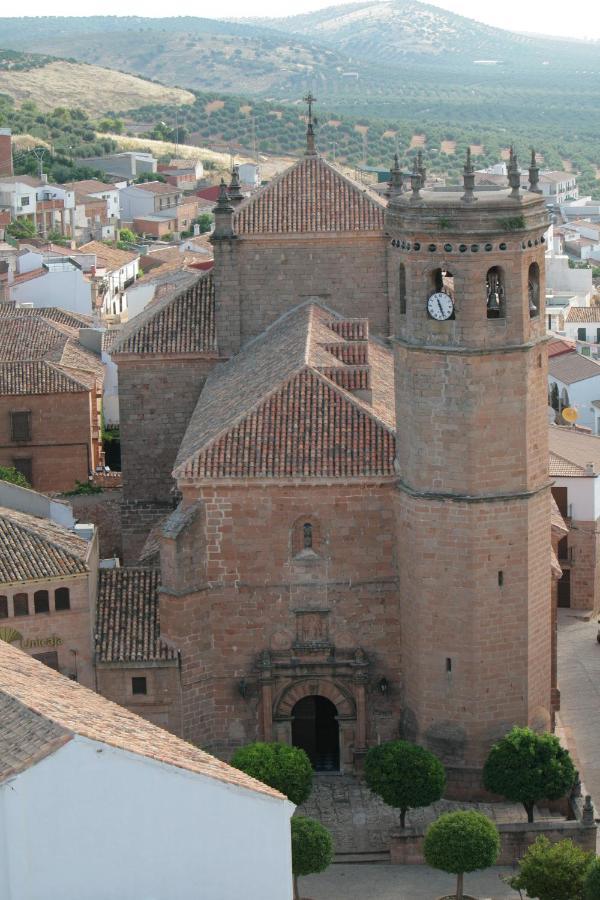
(532, 18)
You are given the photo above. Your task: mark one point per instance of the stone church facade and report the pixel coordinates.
(347, 491)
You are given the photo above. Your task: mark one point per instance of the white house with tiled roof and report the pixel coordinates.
(99, 804)
(577, 379)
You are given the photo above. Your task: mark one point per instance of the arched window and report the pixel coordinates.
(3, 607)
(41, 602)
(307, 534)
(494, 290)
(402, 289)
(533, 290)
(21, 604)
(62, 599)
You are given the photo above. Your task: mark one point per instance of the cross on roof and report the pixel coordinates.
(310, 100)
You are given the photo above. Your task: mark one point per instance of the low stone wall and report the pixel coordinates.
(407, 847)
(104, 511)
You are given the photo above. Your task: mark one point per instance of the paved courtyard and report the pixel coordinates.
(579, 683)
(385, 882)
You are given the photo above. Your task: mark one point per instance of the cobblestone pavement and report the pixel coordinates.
(361, 823)
(385, 882)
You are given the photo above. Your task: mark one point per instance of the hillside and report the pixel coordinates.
(61, 83)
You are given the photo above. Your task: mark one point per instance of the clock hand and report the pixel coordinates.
(440, 306)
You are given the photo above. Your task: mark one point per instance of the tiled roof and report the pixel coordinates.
(41, 693)
(155, 187)
(284, 406)
(110, 338)
(183, 322)
(49, 313)
(107, 257)
(558, 346)
(28, 337)
(572, 367)
(583, 314)
(576, 447)
(32, 548)
(24, 179)
(23, 377)
(127, 627)
(311, 196)
(563, 468)
(89, 186)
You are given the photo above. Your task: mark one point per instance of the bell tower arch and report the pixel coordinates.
(473, 501)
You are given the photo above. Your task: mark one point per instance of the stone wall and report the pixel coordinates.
(584, 544)
(159, 705)
(406, 848)
(259, 278)
(104, 511)
(310, 611)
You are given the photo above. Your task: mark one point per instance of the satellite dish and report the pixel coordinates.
(570, 414)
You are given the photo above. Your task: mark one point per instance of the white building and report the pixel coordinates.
(99, 804)
(577, 378)
(249, 174)
(115, 270)
(582, 323)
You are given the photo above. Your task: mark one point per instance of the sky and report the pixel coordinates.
(579, 18)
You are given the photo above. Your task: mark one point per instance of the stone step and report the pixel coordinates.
(369, 856)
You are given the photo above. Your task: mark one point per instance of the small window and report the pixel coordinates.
(21, 604)
(581, 334)
(138, 685)
(62, 599)
(533, 289)
(20, 426)
(24, 201)
(402, 289)
(41, 602)
(307, 534)
(49, 659)
(3, 607)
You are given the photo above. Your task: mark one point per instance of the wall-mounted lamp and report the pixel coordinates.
(384, 686)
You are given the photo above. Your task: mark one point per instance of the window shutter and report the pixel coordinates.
(20, 426)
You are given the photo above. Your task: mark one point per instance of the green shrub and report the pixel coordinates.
(404, 775)
(554, 871)
(84, 487)
(461, 842)
(8, 473)
(285, 768)
(526, 767)
(312, 848)
(591, 884)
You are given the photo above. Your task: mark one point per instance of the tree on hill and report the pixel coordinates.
(554, 872)
(526, 767)
(312, 849)
(461, 842)
(404, 775)
(285, 768)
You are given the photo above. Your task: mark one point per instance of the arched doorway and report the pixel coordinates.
(315, 729)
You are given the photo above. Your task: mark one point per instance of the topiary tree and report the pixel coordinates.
(404, 775)
(285, 768)
(526, 767)
(461, 842)
(554, 871)
(312, 848)
(591, 883)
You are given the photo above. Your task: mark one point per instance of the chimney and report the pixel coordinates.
(589, 469)
(6, 162)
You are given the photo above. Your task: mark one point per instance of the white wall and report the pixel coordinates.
(559, 277)
(67, 289)
(29, 262)
(92, 822)
(110, 395)
(27, 501)
(134, 203)
(583, 497)
(139, 295)
(581, 394)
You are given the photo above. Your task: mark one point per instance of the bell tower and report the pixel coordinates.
(473, 498)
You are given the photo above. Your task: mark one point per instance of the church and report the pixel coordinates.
(335, 450)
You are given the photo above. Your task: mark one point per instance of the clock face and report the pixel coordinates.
(440, 306)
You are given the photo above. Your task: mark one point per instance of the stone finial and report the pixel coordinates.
(421, 168)
(234, 190)
(395, 183)
(310, 131)
(469, 179)
(534, 175)
(223, 213)
(415, 182)
(514, 175)
(587, 813)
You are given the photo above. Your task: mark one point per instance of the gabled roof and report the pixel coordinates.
(311, 196)
(109, 258)
(49, 313)
(572, 367)
(564, 468)
(89, 186)
(558, 346)
(293, 403)
(578, 448)
(34, 548)
(127, 625)
(40, 710)
(583, 314)
(182, 322)
(37, 376)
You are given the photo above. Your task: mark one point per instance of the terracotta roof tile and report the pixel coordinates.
(27, 377)
(572, 367)
(563, 468)
(183, 322)
(49, 313)
(576, 448)
(284, 405)
(583, 314)
(127, 627)
(32, 548)
(75, 710)
(559, 346)
(311, 196)
(107, 257)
